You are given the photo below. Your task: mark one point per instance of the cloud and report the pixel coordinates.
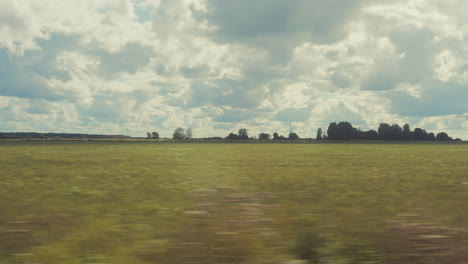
(128, 60)
(132, 66)
(456, 124)
(425, 35)
(40, 107)
(435, 99)
(233, 115)
(16, 79)
(37, 115)
(227, 92)
(293, 115)
(19, 29)
(316, 21)
(345, 64)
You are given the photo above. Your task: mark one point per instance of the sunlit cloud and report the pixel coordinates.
(132, 66)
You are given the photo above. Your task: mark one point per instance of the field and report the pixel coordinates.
(104, 202)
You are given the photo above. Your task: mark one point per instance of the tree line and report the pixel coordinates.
(53, 136)
(336, 131)
(243, 134)
(179, 133)
(346, 131)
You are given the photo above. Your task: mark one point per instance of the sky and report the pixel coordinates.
(133, 66)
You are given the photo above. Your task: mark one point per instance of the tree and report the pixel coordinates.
(275, 136)
(319, 134)
(397, 132)
(430, 136)
(368, 135)
(384, 131)
(188, 133)
(148, 135)
(420, 134)
(232, 136)
(264, 136)
(346, 131)
(442, 136)
(331, 131)
(342, 131)
(293, 136)
(178, 133)
(393, 132)
(155, 135)
(243, 134)
(407, 134)
(278, 137)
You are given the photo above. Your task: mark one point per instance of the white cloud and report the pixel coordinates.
(445, 64)
(296, 95)
(108, 25)
(449, 66)
(418, 14)
(455, 124)
(412, 90)
(113, 66)
(343, 64)
(35, 115)
(18, 27)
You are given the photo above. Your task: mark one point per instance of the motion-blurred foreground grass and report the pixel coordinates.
(67, 202)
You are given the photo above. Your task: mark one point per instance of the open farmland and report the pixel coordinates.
(102, 202)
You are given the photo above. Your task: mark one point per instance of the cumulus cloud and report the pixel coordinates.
(298, 20)
(17, 79)
(131, 66)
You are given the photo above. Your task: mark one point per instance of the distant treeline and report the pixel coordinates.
(336, 131)
(345, 131)
(36, 135)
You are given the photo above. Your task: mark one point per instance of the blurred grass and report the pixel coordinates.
(98, 202)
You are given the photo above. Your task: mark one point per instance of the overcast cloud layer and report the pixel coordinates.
(128, 67)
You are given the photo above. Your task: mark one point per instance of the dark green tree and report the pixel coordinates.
(407, 134)
(384, 131)
(155, 135)
(442, 136)
(332, 130)
(188, 133)
(243, 134)
(264, 136)
(368, 135)
(420, 134)
(346, 131)
(430, 136)
(293, 136)
(232, 136)
(275, 136)
(319, 134)
(397, 132)
(179, 133)
(342, 131)
(393, 132)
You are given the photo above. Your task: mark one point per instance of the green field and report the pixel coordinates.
(104, 202)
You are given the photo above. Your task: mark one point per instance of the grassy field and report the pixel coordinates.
(103, 202)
